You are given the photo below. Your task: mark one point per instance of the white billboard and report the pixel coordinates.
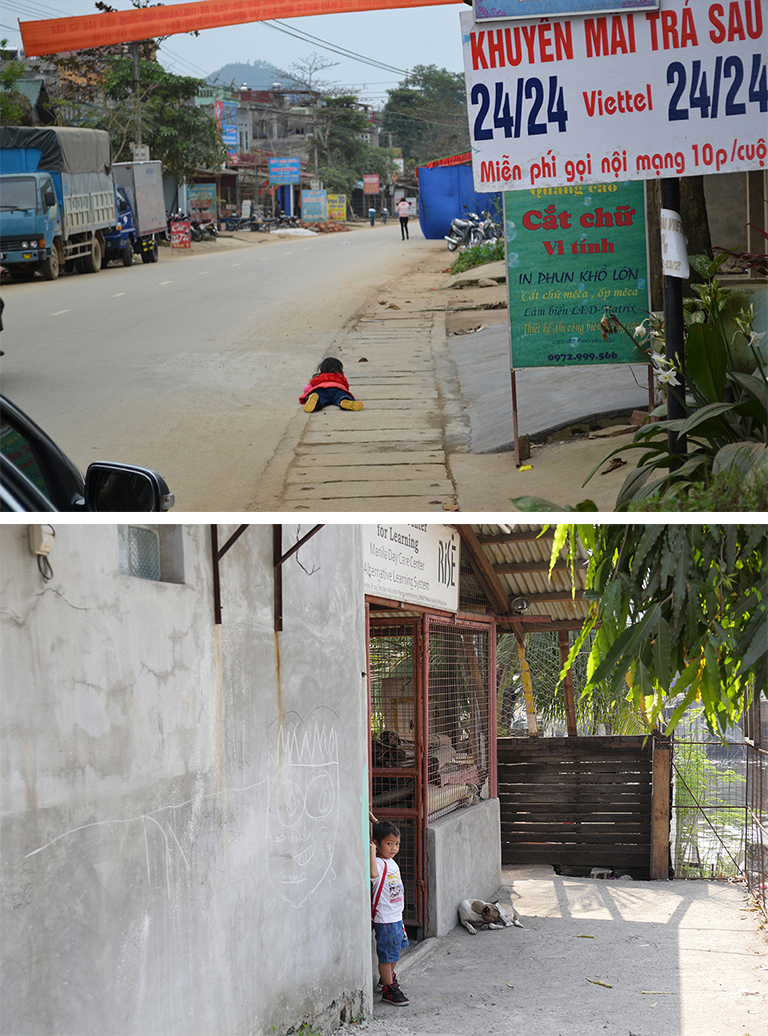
(627, 96)
(418, 564)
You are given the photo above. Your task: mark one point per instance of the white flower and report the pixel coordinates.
(659, 358)
(666, 377)
(755, 339)
(641, 331)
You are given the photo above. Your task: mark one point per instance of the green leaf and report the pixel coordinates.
(705, 413)
(662, 653)
(756, 387)
(746, 458)
(706, 360)
(623, 648)
(536, 503)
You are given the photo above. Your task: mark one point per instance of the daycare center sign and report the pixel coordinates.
(414, 563)
(572, 252)
(556, 101)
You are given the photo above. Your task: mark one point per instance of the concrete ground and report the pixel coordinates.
(676, 958)
(428, 356)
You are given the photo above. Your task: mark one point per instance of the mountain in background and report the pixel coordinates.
(260, 75)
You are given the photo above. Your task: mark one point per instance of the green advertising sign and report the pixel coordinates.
(571, 252)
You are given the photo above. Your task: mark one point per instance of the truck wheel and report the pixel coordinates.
(50, 266)
(153, 253)
(126, 255)
(92, 262)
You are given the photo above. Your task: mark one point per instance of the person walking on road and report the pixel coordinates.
(404, 211)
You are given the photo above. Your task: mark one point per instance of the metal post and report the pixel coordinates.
(513, 375)
(136, 87)
(673, 328)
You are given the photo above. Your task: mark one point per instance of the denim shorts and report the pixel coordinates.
(390, 941)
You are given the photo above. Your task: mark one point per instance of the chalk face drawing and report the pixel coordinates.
(303, 805)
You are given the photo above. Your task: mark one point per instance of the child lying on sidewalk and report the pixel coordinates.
(329, 386)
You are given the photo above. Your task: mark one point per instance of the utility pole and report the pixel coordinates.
(135, 87)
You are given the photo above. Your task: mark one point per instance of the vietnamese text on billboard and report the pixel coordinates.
(572, 252)
(675, 92)
(284, 170)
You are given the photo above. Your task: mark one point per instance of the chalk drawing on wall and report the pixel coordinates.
(303, 803)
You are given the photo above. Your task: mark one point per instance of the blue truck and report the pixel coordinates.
(140, 212)
(57, 199)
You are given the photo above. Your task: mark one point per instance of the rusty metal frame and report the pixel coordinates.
(278, 559)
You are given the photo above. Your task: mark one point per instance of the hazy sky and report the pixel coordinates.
(396, 38)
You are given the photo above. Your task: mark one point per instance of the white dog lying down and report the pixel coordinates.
(476, 916)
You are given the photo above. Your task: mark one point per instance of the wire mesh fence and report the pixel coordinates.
(595, 715)
(458, 762)
(756, 837)
(709, 802)
(395, 728)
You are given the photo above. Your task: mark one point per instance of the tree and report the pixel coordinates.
(181, 135)
(427, 114)
(679, 614)
(15, 109)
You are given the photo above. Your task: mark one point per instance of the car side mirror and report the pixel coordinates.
(49, 199)
(125, 487)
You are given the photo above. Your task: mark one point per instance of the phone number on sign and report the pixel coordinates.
(566, 357)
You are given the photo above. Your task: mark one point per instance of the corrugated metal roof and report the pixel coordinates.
(514, 560)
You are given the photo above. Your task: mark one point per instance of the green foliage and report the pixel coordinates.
(725, 491)
(15, 109)
(427, 114)
(182, 136)
(679, 613)
(477, 255)
(726, 409)
(343, 156)
(542, 652)
(96, 91)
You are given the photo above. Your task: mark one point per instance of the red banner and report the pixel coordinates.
(57, 35)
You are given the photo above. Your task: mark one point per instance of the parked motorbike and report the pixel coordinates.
(491, 229)
(183, 217)
(465, 232)
(209, 228)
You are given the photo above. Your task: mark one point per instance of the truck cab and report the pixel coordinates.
(121, 242)
(57, 198)
(30, 222)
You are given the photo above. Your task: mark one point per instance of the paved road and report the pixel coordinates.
(192, 365)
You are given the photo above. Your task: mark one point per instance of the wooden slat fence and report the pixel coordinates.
(577, 802)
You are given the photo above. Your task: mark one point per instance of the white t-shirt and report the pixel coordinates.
(403, 208)
(390, 906)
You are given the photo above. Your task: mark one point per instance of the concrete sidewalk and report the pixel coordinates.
(436, 432)
(624, 958)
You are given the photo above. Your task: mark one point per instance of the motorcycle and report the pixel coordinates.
(183, 217)
(465, 232)
(491, 229)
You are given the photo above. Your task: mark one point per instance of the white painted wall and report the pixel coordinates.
(184, 807)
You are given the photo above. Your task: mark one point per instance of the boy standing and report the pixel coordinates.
(389, 896)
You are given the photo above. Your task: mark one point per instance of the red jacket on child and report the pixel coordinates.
(330, 380)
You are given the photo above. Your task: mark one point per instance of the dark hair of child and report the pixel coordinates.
(331, 365)
(384, 828)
